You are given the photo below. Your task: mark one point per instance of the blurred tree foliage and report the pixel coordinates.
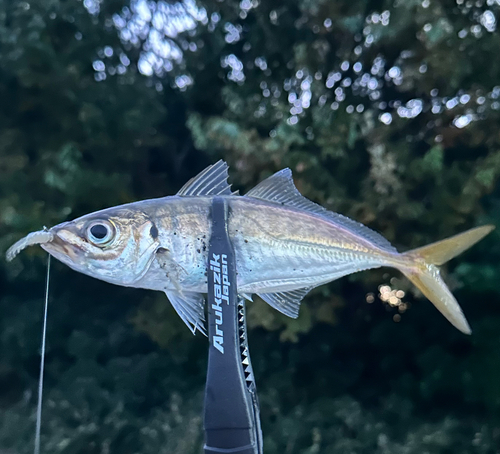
(385, 111)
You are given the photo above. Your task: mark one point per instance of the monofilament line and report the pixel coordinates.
(42, 362)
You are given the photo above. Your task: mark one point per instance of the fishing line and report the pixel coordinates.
(42, 363)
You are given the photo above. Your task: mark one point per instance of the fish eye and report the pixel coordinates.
(100, 233)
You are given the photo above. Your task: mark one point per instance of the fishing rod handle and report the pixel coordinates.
(231, 419)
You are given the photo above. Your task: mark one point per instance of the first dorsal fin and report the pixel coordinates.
(211, 181)
(279, 188)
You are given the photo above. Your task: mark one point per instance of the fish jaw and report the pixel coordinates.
(65, 251)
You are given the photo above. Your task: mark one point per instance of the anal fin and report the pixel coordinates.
(191, 309)
(247, 296)
(287, 303)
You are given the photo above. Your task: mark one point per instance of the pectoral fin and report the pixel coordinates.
(190, 307)
(173, 271)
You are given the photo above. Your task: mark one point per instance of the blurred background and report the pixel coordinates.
(386, 111)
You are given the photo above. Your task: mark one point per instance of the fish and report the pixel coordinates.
(284, 244)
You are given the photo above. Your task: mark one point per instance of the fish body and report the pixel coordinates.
(284, 246)
(277, 248)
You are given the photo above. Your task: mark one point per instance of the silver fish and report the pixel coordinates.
(285, 245)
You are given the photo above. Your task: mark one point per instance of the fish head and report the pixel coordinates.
(115, 245)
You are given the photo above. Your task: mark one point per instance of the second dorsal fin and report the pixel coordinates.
(211, 181)
(279, 188)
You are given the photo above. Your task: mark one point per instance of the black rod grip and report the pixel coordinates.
(230, 410)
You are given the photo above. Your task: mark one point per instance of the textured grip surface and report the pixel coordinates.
(231, 417)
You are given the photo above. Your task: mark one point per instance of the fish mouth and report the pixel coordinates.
(62, 250)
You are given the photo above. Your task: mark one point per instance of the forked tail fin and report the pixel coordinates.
(424, 273)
